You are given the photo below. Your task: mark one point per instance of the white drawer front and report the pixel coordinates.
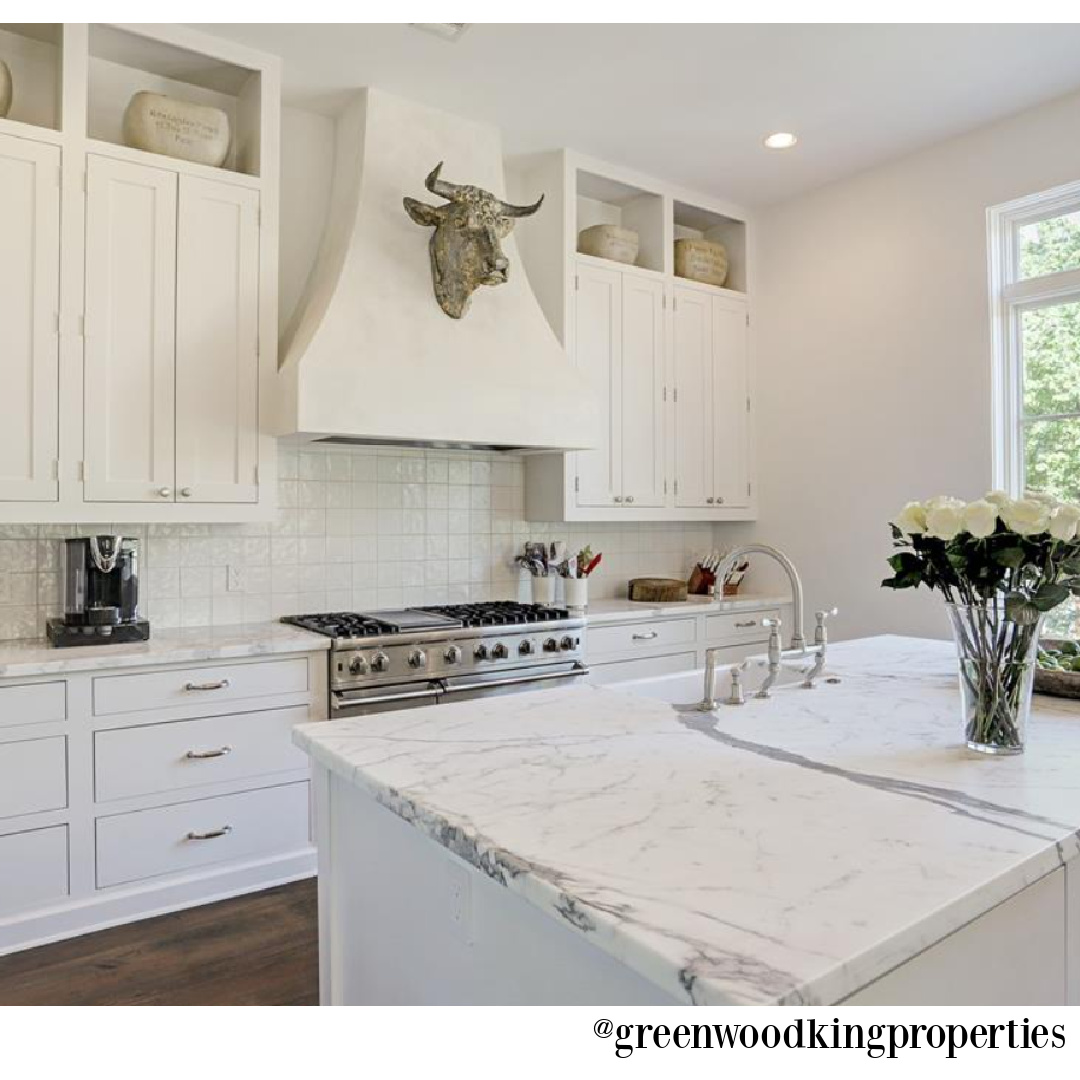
(33, 868)
(166, 840)
(33, 776)
(33, 703)
(740, 626)
(201, 686)
(187, 753)
(641, 636)
(621, 670)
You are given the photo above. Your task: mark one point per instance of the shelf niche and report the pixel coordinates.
(122, 63)
(699, 223)
(33, 52)
(603, 201)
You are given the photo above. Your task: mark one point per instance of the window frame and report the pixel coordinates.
(1010, 296)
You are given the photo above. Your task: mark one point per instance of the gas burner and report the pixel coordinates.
(342, 624)
(498, 613)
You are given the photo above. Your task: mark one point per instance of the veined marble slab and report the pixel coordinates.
(602, 611)
(19, 659)
(790, 851)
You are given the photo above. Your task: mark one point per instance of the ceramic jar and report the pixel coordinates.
(701, 260)
(609, 242)
(177, 129)
(5, 89)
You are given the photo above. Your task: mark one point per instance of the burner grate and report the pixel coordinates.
(341, 624)
(499, 613)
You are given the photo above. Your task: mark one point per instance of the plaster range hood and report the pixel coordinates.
(370, 357)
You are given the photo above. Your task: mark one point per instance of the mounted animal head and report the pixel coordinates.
(466, 247)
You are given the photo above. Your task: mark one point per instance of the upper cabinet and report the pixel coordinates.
(139, 290)
(29, 318)
(665, 359)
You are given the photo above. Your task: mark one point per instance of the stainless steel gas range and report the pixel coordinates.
(426, 655)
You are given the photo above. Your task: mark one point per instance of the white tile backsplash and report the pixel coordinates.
(355, 528)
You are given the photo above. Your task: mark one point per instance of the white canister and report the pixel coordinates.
(543, 590)
(5, 89)
(576, 592)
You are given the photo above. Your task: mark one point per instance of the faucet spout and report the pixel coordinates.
(798, 641)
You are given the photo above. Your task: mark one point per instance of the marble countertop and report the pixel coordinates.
(789, 852)
(602, 611)
(19, 659)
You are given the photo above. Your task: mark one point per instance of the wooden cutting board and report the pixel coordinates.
(657, 590)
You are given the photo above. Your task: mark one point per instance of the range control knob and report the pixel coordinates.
(357, 665)
(500, 652)
(566, 644)
(380, 662)
(526, 647)
(551, 645)
(417, 658)
(452, 655)
(481, 652)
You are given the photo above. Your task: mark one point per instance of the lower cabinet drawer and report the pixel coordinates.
(33, 703)
(201, 686)
(620, 670)
(182, 754)
(188, 836)
(740, 626)
(33, 776)
(33, 868)
(641, 636)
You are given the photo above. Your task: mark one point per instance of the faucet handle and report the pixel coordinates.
(820, 634)
(771, 622)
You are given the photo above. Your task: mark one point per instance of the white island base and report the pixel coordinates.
(591, 846)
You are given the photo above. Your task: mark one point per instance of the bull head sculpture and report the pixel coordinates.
(466, 249)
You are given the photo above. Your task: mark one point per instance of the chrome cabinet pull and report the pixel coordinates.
(219, 685)
(719, 500)
(165, 492)
(186, 492)
(201, 755)
(618, 498)
(629, 498)
(213, 834)
(647, 636)
(751, 622)
(710, 500)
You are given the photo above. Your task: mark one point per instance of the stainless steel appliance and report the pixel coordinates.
(101, 593)
(389, 660)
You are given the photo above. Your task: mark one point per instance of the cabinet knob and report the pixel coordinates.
(165, 492)
(719, 500)
(710, 500)
(618, 498)
(186, 492)
(629, 498)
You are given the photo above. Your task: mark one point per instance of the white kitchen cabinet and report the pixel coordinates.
(217, 343)
(29, 318)
(711, 398)
(172, 342)
(129, 331)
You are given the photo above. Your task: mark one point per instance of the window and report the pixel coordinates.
(1035, 301)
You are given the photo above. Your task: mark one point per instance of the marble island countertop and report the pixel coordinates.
(787, 852)
(21, 659)
(601, 611)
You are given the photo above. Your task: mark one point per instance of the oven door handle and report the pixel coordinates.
(340, 699)
(544, 676)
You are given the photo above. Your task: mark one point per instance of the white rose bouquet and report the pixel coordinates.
(1001, 565)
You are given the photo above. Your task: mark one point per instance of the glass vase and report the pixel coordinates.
(997, 668)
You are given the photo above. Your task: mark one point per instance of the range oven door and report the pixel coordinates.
(468, 687)
(380, 699)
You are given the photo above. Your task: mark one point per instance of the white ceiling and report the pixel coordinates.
(692, 103)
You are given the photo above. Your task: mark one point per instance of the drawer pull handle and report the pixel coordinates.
(201, 755)
(219, 685)
(213, 834)
(750, 622)
(647, 636)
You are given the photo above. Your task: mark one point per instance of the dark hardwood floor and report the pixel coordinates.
(260, 949)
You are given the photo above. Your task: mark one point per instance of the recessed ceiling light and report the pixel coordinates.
(781, 140)
(449, 31)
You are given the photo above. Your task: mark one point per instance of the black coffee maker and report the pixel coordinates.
(101, 593)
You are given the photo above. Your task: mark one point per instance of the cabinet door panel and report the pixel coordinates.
(597, 356)
(29, 309)
(642, 392)
(217, 359)
(692, 347)
(730, 465)
(130, 331)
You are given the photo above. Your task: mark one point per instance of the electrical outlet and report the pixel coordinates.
(459, 896)
(234, 579)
